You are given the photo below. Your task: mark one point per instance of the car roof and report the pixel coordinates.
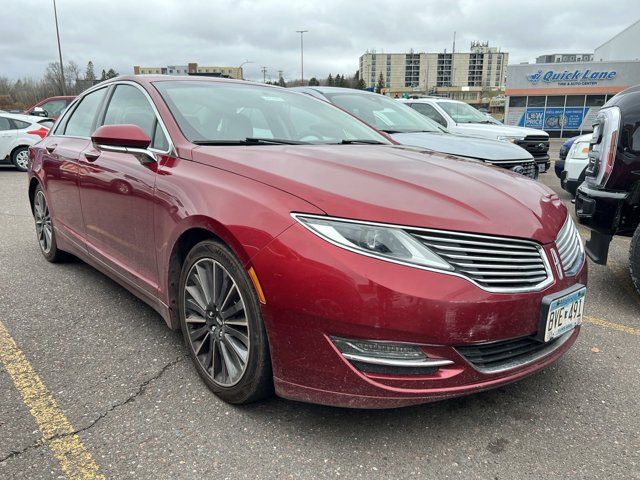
(25, 118)
(431, 99)
(321, 89)
(149, 79)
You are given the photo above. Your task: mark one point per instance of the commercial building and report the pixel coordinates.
(623, 46)
(463, 76)
(564, 97)
(565, 57)
(190, 69)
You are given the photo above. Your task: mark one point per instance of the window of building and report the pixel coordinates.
(595, 100)
(536, 101)
(555, 101)
(575, 100)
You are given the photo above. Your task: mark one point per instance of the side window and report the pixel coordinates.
(159, 139)
(54, 107)
(20, 125)
(128, 105)
(80, 124)
(430, 112)
(5, 124)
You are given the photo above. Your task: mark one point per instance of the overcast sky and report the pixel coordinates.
(123, 33)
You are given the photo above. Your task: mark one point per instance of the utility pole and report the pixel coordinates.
(264, 74)
(62, 80)
(302, 32)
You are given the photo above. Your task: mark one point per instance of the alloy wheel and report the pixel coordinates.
(22, 159)
(216, 322)
(44, 226)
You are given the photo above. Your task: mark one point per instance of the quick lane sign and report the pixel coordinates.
(572, 77)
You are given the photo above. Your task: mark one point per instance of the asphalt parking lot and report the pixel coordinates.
(126, 403)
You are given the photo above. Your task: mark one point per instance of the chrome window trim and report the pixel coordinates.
(170, 151)
(535, 288)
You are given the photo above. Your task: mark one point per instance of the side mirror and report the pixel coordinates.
(124, 136)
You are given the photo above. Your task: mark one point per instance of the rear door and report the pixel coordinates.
(117, 192)
(7, 135)
(60, 162)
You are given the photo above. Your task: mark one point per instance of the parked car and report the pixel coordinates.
(575, 164)
(299, 250)
(562, 156)
(608, 201)
(408, 127)
(50, 107)
(460, 117)
(17, 134)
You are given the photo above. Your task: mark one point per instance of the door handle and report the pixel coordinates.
(91, 156)
(51, 148)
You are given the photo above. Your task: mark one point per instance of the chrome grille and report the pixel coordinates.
(570, 247)
(528, 169)
(497, 264)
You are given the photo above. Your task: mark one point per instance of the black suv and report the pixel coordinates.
(608, 201)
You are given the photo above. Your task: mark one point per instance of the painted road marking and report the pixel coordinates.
(613, 326)
(57, 432)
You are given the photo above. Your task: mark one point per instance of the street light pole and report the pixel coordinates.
(244, 63)
(302, 32)
(62, 83)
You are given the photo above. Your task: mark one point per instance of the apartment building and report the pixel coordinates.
(190, 69)
(459, 75)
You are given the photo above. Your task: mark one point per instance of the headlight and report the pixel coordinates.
(385, 242)
(506, 138)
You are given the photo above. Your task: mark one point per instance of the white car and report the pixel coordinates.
(462, 118)
(576, 164)
(17, 134)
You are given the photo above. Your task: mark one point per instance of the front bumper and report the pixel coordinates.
(600, 211)
(315, 291)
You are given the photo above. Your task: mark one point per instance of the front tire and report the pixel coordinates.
(634, 258)
(20, 158)
(44, 228)
(222, 325)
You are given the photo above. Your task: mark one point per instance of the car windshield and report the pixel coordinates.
(239, 114)
(463, 113)
(382, 112)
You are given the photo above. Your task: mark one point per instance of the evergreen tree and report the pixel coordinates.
(89, 73)
(330, 81)
(313, 82)
(380, 84)
(111, 73)
(281, 82)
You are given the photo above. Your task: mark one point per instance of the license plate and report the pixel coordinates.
(563, 313)
(542, 168)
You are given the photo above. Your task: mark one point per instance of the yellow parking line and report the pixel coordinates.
(57, 432)
(613, 326)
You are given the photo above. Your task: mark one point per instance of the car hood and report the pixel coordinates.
(494, 131)
(399, 185)
(464, 146)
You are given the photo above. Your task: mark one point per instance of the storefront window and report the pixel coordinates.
(536, 101)
(517, 101)
(575, 100)
(555, 101)
(595, 100)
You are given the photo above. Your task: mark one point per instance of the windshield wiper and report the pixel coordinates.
(250, 141)
(363, 141)
(391, 131)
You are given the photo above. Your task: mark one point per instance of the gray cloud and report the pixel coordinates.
(120, 34)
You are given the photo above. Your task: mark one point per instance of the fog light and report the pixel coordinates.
(389, 354)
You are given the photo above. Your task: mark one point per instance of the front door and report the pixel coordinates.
(117, 195)
(7, 136)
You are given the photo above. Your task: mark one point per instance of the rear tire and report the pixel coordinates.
(222, 325)
(44, 228)
(634, 258)
(20, 158)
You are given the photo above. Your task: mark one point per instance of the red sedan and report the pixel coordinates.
(298, 250)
